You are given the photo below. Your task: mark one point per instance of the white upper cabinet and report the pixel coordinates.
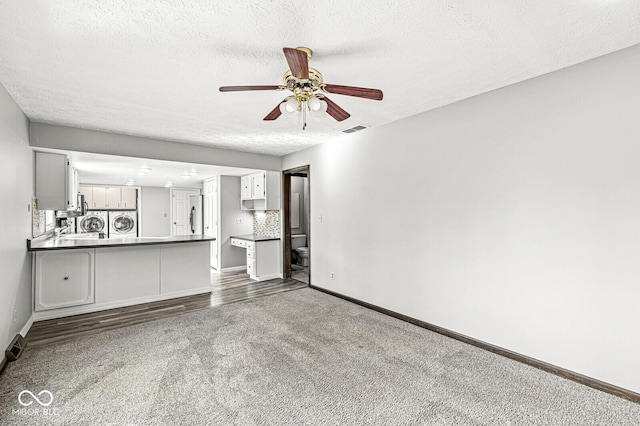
(260, 191)
(56, 182)
(99, 197)
(113, 198)
(257, 185)
(245, 187)
(128, 198)
(102, 197)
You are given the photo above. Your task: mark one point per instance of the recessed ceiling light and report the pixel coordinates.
(193, 172)
(185, 175)
(143, 170)
(168, 185)
(130, 182)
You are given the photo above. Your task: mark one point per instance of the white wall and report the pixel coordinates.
(16, 190)
(229, 199)
(298, 186)
(155, 209)
(512, 217)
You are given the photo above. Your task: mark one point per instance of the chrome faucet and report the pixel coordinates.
(62, 230)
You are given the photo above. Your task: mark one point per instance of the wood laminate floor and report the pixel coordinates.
(226, 287)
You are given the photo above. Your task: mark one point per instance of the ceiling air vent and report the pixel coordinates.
(355, 129)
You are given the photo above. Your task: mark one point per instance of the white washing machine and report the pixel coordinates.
(123, 224)
(93, 221)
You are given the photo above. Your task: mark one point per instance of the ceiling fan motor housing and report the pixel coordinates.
(303, 89)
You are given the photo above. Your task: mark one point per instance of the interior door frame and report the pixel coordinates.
(286, 200)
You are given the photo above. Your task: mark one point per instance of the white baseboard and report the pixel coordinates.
(265, 277)
(234, 268)
(27, 327)
(85, 309)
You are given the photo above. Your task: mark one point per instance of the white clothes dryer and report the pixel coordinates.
(93, 221)
(123, 224)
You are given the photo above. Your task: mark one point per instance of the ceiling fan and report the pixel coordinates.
(308, 90)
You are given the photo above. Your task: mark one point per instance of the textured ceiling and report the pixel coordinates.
(153, 67)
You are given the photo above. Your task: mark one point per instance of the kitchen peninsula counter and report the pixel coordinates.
(61, 243)
(76, 275)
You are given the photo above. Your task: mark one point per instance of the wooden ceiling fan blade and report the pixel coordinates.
(275, 113)
(335, 111)
(246, 88)
(359, 92)
(298, 62)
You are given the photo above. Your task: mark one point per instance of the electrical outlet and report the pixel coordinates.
(238, 220)
(332, 275)
(15, 315)
(319, 218)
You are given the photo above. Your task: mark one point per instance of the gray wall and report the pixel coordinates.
(74, 139)
(155, 206)
(16, 190)
(229, 199)
(511, 217)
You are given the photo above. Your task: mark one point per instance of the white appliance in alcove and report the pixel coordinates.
(123, 224)
(93, 221)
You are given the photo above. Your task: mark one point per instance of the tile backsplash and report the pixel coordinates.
(266, 223)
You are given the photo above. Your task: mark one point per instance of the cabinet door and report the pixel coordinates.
(99, 197)
(113, 198)
(246, 187)
(51, 181)
(64, 278)
(128, 198)
(87, 191)
(257, 181)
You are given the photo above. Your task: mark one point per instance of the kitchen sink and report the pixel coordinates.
(142, 238)
(89, 236)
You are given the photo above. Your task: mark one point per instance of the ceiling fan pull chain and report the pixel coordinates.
(304, 115)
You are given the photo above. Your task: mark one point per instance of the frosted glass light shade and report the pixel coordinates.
(289, 107)
(317, 106)
(314, 103)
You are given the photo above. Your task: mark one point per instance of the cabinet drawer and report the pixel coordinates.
(251, 245)
(238, 243)
(251, 254)
(251, 266)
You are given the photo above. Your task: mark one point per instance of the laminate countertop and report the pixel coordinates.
(61, 243)
(251, 237)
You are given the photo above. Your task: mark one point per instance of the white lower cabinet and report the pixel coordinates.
(127, 273)
(185, 267)
(64, 278)
(263, 258)
(76, 281)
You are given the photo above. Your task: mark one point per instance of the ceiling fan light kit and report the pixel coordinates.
(308, 88)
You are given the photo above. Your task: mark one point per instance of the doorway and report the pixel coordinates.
(297, 225)
(180, 210)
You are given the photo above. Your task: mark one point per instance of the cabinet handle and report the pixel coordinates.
(66, 278)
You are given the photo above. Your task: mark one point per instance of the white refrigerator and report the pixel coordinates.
(195, 214)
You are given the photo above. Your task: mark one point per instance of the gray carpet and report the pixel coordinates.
(300, 357)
